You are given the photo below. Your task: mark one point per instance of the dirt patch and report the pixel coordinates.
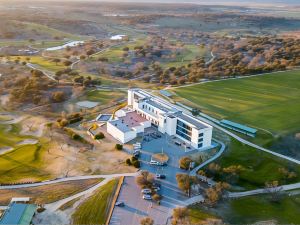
(33, 126)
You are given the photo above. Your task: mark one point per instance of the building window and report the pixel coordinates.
(143, 106)
(200, 139)
(200, 145)
(200, 135)
(183, 130)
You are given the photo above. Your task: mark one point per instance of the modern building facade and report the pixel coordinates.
(150, 110)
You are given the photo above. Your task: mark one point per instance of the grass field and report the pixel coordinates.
(259, 208)
(199, 216)
(48, 193)
(95, 209)
(259, 167)
(269, 102)
(190, 53)
(10, 138)
(42, 62)
(104, 96)
(24, 163)
(250, 210)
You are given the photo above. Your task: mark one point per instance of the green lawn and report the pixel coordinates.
(95, 209)
(24, 163)
(198, 215)
(259, 167)
(42, 62)
(259, 208)
(10, 138)
(270, 102)
(103, 96)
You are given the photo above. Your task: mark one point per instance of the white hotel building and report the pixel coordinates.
(145, 110)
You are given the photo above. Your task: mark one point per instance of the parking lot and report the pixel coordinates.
(136, 207)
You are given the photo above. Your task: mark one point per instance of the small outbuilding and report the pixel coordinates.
(18, 213)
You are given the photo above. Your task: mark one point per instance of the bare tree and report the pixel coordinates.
(147, 221)
(273, 188)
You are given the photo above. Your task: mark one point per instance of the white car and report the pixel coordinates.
(146, 191)
(152, 162)
(147, 197)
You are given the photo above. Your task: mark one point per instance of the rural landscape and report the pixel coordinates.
(149, 112)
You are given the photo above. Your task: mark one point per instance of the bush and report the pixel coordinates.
(136, 164)
(119, 147)
(128, 162)
(76, 136)
(99, 136)
(58, 96)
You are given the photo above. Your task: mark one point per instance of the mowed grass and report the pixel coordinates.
(198, 216)
(48, 193)
(252, 209)
(259, 167)
(104, 96)
(9, 135)
(44, 63)
(270, 101)
(95, 209)
(24, 163)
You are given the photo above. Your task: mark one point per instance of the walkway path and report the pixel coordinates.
(55, 205)
(287, 187)
(59, 180)
(219, 153)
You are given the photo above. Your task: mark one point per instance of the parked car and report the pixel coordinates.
(146, 191)
(156, 184)
(152, 162)
(120, 204)
(156, 189)
(147, 197)
(161, 163)
(160, 176)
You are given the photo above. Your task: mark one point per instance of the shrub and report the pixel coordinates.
(133, 159)
(76, 136)
(58, 96)
(100, 135)
(119, 147)
(136, 164)
(128, 162)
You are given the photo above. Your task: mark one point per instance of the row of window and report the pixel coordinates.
(182, 124)
(149, 109)
(183, 130)
(181, 134)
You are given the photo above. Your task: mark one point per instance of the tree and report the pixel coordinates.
(58, 96)
(119, 147)
(67, 63)
(145, 179)
(99, 136)
(180, 216)
(214, 194)
(184, 163)
(147, 221)
(156, 197)
(184, 182)
(56, 61)
(90, 52)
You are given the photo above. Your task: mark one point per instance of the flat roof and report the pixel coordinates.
(18, 213)
(159, 106)
(191, 120)
(239, 126)
(125, 123)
